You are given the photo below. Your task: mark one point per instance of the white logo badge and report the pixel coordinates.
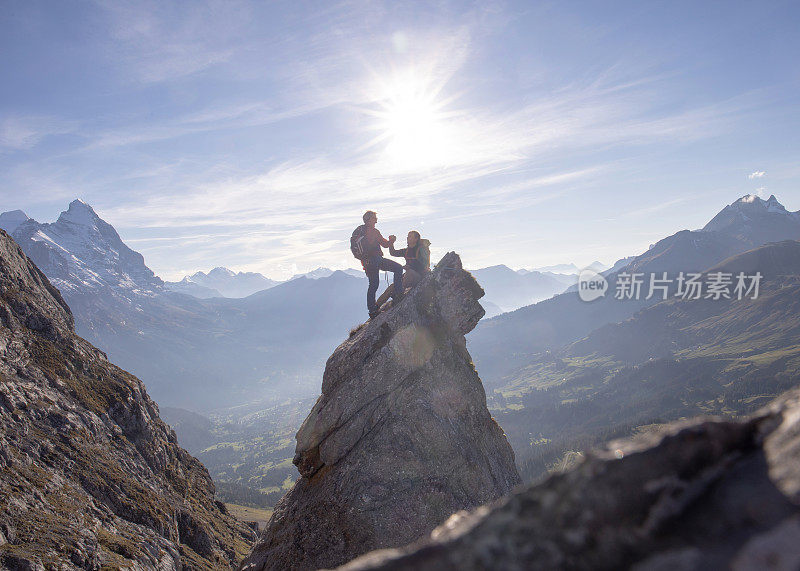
(591, 285)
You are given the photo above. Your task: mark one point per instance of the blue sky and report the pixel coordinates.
(254, 134)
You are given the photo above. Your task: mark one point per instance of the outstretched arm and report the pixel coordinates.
(381, 240)
(401, 253)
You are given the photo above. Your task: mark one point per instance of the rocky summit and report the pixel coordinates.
(90, 477)
(400, 437)
(701, 494)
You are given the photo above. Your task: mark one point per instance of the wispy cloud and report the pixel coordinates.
(257, 131)
(159, 42)
(648, 210)
(25, 132)
(494, 162)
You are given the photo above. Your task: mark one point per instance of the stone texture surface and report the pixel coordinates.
(704, 494)
(400, 438)
(90, 477)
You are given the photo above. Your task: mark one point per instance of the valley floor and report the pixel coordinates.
(249, 515)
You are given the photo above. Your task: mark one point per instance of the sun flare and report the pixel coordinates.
(412, 124)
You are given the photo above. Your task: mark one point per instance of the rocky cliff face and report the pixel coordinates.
(400, 438)
(90, 476)
(702, 494)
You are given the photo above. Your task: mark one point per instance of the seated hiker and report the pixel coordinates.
(366, 243)
(418, 261)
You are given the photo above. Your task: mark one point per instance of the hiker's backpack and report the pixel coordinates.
(358, 242)
(424, 253)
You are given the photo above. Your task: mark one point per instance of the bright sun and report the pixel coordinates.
(413, 124)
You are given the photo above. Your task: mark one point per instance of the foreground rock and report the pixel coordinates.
(400, 438)
(90, 476)
(706, 494)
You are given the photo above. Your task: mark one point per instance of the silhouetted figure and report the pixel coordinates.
(366, 243)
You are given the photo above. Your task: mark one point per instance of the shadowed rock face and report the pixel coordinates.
(705, 494)
(90, 477)
(400, 438)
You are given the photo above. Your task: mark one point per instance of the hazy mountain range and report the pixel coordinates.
(641, 366)
(82, 441)
(209, 354)
(194, 353)
(220, 338)
(506, 289)
(566, 269)
(674, 359)
(509, 341)
(274, 342)
(222, 282)
(509, 290)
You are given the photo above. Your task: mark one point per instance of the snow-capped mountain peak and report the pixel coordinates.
(750, 205)
(751, 201)
(757, 220)
(80, 250)
(314, 274)
(10, 221)
(222, 281)
(222, 271)
(774, 206)
(80, 213)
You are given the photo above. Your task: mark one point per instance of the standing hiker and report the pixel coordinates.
(366, 243)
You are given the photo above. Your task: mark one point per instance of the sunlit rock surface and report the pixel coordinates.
(704, 494)
(400, 438)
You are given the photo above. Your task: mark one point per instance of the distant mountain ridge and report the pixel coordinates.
(176, 341)
(506, 342)
(222, 282)
(192, 353)
(202, 350)
(326, 272)
(568, 269)
(509, 290)
(675, 358)
(755, 220)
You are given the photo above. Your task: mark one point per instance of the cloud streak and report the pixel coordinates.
(21, 132)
